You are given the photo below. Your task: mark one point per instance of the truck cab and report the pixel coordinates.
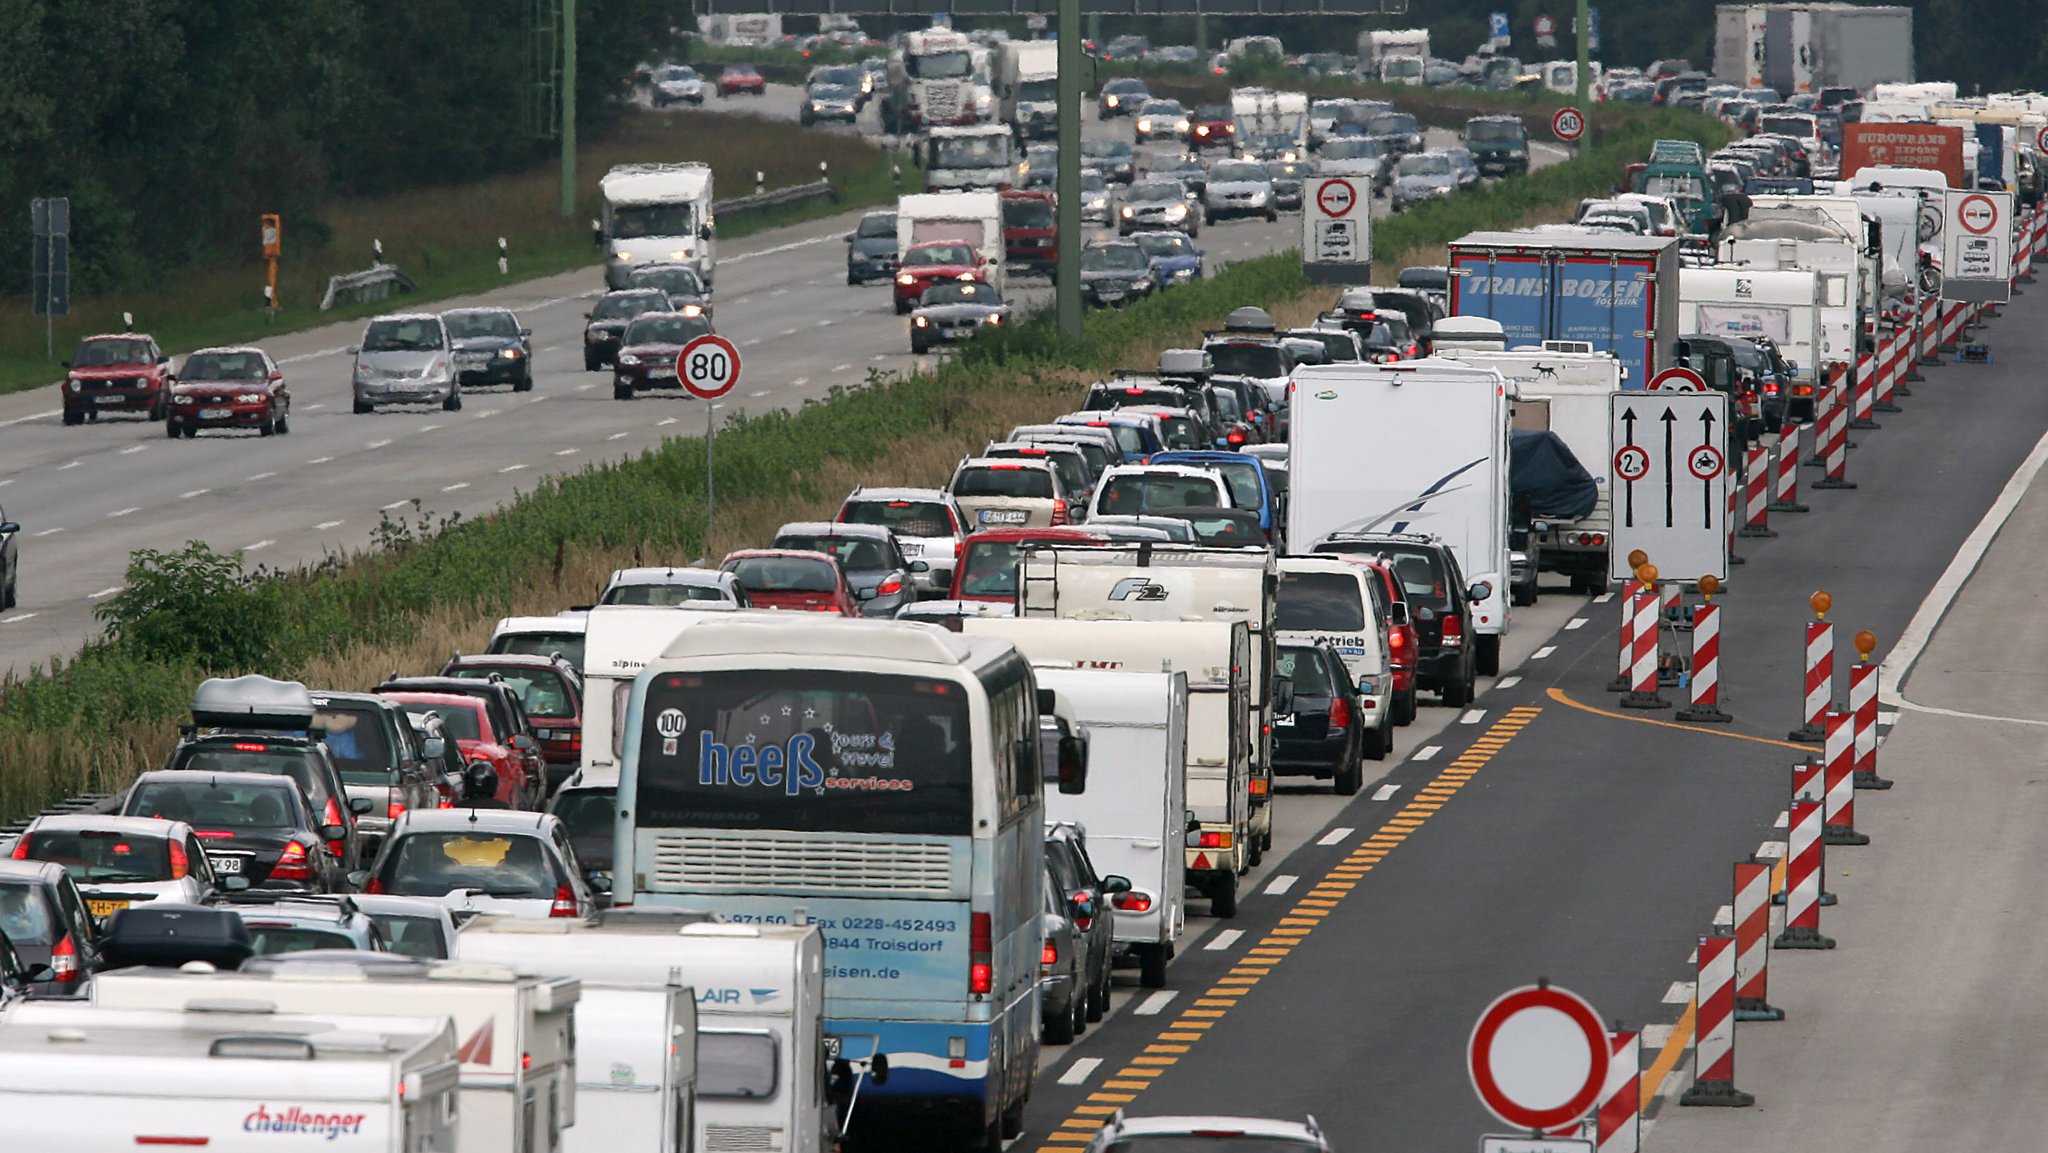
(974, 156)
(1031, 231)
(1677, 169)
(656, 213)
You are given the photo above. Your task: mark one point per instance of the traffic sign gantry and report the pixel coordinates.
(708, 367)
(1568, 124)
(1538, 1057)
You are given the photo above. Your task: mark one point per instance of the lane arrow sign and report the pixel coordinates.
(1628, 422)
(1707, 489)
(1670, 420)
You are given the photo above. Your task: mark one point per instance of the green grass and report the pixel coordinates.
(446, 238)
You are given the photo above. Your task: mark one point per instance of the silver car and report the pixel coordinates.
(928, 526)
(1157, 204)
(1238, 188)
(1420, 178)
(406, 359)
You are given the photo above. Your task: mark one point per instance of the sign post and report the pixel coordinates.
(50, 264)
(1976, 258)
(1336, 231)
(708, 368)
(1538, 1060)
(1670, 477)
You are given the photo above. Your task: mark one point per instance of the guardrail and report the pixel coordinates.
(83, 803)
(377, 282)
(780, 197)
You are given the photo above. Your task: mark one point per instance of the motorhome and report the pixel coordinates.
(656, 213)
(974, 218)
(968, 157)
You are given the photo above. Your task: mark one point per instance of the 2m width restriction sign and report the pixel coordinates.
(708, 367)
(1670, 482)
(1568, 124)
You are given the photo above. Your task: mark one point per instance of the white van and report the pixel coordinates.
(514, 1039)
(618, 641)
(73, 1076)
(1325, 600)
(1134, 810)
(656, 213)
(760, 989)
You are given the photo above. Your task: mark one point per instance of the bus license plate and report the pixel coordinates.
(225, 866)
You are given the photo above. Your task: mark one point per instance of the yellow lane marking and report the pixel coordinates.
(1113, 1098)
(1166, 1048)
(1560, 697)
(1134, 1071)
(1667, 1058)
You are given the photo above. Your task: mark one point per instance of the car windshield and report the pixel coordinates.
(1003, 480)
(676, 72)
(674, 280)
(1237, 173)
(418, 936)
(1166, 244)
(1027, 213)
(1125, 87)
(433, 864)
(663, 595)
(404, 334)
(1425, 164)
(493, 323)
(845, 77)
(1038, 90)
(1320, 602)
(1304, 668)
(357, 744)
(940, 65)
(784, 574)
(934, 254)
(1180, 432)
(1169, 108)
(247, 756)
(1800, 126)
(1156, 190)
(627, 305)
(1113, 258)
(1135, 493)
(1073, 472)
(877, 226)
(1241, 477)
(224, 366)
(1392, 123)
(1263, 361)
(541, 644)
(111, 352)
(667, 329)
(1092, 184)
(913, 518)
(25, 914)
(854, 554)
(100, 857)
(1336, 345)
(962, 292)
(210, 805)
(970, 151)
(632, 221)
(542, 692)
(1493, 132)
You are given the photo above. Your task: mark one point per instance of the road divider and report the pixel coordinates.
(1838, 770)
(1713, 1052)
(1751, 917)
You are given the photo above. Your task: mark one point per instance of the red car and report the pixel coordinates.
(468, 720)
(550, 690)
(229, 388)
(117, 372)
(741, 78)
(1212, 127)
(1030, 231)
(1401, 639)
(924, 265)
(648, 349)
(788, 578)
(988, 563)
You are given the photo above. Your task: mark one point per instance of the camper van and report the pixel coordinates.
(656, 213)
(618, 641)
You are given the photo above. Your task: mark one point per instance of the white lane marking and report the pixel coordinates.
(800, 381)
(1335, 835)
(484, 413)
(750, 343)
(554, 347)
(1655, 1036)
(1151, 1006)
(511, 468)
(5, 483)
(565, 452)
(268, 475)
(780, 292)
(879, 357)
(103, 593)
(458, 486)
(1542, 653)
(1472, 717)
(429, 427)
(1679, 993)
(30, 417)
(123, 512)
(395, 504)
(73, 464)
(1385, 792)
(1603, 598)
(824, 324)
(757, 395)
(316, 355)
(1281, 884)
(744, 300)
(841, 367)
(1725, 915)
(193, 493)
(264, 543)
(324, 525)
(1574, 624)
(320, 460)
(618, 436)
(1772, 850)
(664, 422)
(1426, 752)
(48, 531)
(1507, 682)
(1079, 1072)
(17, 618)
(378, 443)
(1784, 820)
(1224, 940)
(792, 246)
(586, 386)
(313, 407)
(132, 449)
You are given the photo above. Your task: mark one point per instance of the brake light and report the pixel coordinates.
(21, 850)
(1133, 902)
(1059, 512)
(1340, 714)
(250, 747)
(292, 864)
(374, 886)
(1454, 630)
(1259, 786)
(1209, 839)
(564, 904)
(181, 864)
(1397, 639)
(1236, 437)
(981, 970)
(64, 961)
(1414, 351)
(889, 587)
(1050, 955)
(330, 814)
(213, 834)
(396, 810)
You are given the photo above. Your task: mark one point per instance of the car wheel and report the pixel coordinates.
(902, 308)
(1457, 694)
(453, 403)
(190, 432)
(525, 381)
(592, 362)
(1060, 1030)
(1488, 656)
(1256, 854)
(1403, 708)
(1098, 1001)
(364, 407)
(10, 597)
(1223, 896)
(1152, 966)
(1349, 779)
(71, 417)
(284, 424)
(919, 348)
(852, 281)
(267, 428)
(1523, 596)
(1380, 742)
(1272, 215)
(622, 392)
(170, 430)
(1209, 219)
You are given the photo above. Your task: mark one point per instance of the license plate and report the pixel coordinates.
(474, 360)
(1286, 722)
(225, 866)
(911, 548)
(660, 373)
(216, 413)
(1110, 295)
(1003, 516)
(104, 908)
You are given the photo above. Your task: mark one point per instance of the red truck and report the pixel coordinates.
(1030, 231)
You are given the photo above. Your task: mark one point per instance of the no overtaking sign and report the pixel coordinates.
(1336, 230)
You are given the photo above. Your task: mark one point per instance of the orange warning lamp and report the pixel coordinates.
(1647, 574)
(1709, 585)
(1821, 602)
(1637, 558)
(1865, 641)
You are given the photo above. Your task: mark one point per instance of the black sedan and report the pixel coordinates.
(491, 347)
(256, 826)
(953, 311)
(1319, 734)
(687, 292)
(871, 249)
(608, 320)
(1115, 272)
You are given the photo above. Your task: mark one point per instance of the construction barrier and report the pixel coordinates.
(1785, 464)
(1644, 608)
(1863, 387)
(1706, 667)
(1809, 783)
(1838, 768)
(1823, 399)
(1820, 681)
(1863, 706)
(1753, 942)
(1713, 1053)
(1618, 1124)
(1832, 442)
(1803, 879)
(1928, 317)
(1898, 355)
(1622, 679)
(1756, 488)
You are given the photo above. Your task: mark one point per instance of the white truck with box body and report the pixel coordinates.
(1262, 111)
(75, 1076)
(618, 641)
(973, 218)
(741, 29)
(1359, 464)
(657, 213)
(1216, 658)
(1829, 235)
(1134, 810)
(513, 1032)
(1027, 77)
(760, 990)
(1797, 48)
(1393, 55)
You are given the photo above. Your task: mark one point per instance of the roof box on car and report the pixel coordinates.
(1186, 362)
(252, 701)
(1250, 318)
(166, 936)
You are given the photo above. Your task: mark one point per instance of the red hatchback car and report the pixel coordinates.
(788, 578)
(551, 692)
(739, 78)
(647, 352)
(924, 265)
(988, 561)
(468, 720)
(229, 388)
(117, 372)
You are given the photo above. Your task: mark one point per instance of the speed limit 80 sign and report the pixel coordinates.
(708, 367)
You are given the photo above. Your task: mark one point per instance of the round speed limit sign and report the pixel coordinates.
(1568, 124)
(708, 367)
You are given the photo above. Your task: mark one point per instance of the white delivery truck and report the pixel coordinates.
(1394, 55)
(975, 218)
(656, 213)
(513, 1032)
(969, 157)
(1135, 807)
(1173, 582)
(1360, 464)
(618, 641)
(1782, 304)
(1216, 658)
(1565, 392)
(1027, 77)
(1262, 111)
(73, 1076)
(760, 990)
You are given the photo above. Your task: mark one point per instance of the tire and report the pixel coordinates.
(1272, 215)
(1522, 596)
(592, 363)
(852, 281)
(1349, 779)
(284, 424)
(453, 403)
(1209, 220)
(1403, 708)
(1080, 1027)
(267, 428)
(1013, 1120)
(1488, 656)
(161, 410)
(1456, 695)
(1152, 966)
(919, 348)
(1257, 853)
(364, 408)
(1098, 1005)
(1223, 896)
(190, 432)
(170, 430)
(1586, 586)
(1060, 1031)
(73, 418)
(903, 308)
(11, 595)
(622, 392)
(525, 382)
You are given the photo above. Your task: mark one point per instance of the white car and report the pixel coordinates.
(676, 84)
(1211, 1134)
(928, 527)
(117, 862)
(670, 586)
(1134, 489)
(487, 860)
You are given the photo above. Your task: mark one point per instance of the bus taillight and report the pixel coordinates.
(981, 970)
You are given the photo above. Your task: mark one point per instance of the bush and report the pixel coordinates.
(196, 607)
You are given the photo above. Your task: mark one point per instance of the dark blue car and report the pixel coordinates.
(1174, 258)
(1244, 475)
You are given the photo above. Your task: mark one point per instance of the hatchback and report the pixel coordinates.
(254, 826)
(606, 322)
(797, 579)
(491, 347)
(995, 493)
(1320, 734)
(118, 861)
(489, 860)
(551, 694)
(229, 388)
(45, 918)
(292, 924)
(1062, 970)
(406, 359)
(873, 567)
(1089, 908)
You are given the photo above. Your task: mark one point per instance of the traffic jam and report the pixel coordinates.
(841, 838)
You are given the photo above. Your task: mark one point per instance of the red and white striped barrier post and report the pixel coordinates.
(1929, 320)
(1756, 493)
(1863, 388)
(1645, 607)
(1706, 659)
(1863, 706)
(1810, 783)
(1753, 942)
(1617, 1123)
(1898, 353)
(2029, 246)
(1629, 588)
(1785, 464)
(1820, 671)
(1713, 1053)
(1832, 441)
(1802, 879)
(1838, 778)
(1731, 519)
(1951, 326)
(1825, 397)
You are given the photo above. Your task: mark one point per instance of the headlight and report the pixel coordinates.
(77, 385)
(250, 398)
(1261, 196)
(965, 276)
(1099, 202)
(185, 400)
(920, 322)
(1127, 216)
(993, 318)
(693, 310)
(906, 278)
(679, 254)
(628, 360)
(1144, 126)
(622, 254)
(1111, 100)
(1177, 211)
(511, 353)
(1180, 126)
(362, 373)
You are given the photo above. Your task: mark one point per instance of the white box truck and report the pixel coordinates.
(760, 990)
(513, 1032)
(656, 213)
(1027, 77)
(974, 218)
(1420, 446)
(969, 157)
(1216, 658)
(1135, 808)
(74, 1076)
(1784, 304)
(1393, 55)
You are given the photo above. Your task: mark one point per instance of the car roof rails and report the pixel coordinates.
(341, 903)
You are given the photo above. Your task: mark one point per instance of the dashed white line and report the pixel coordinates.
(395, 504)
(664, 422)
(1679, 993)
(1385, 792)
(482, 413)
(788, 332)
(565, 452)
(73, 464)
(265, 543)
(1574, 624)
(879, 357)
(1507, 682)
(824, 324)
(800, 381)
(1426, 752)
(757, 394)
(312, 407)
(1281, 884)
(511, 468)
(1784, 820)
(1771, 850)
(750, 342)
(1335, 835)
(458, 486)
(1151, 1006)
(744, 300)
(1472, 717)
(17, 618)
(1603, 598)
(1079, 1072)
(103, 593)
(378, 443)
(320, 460)
(132, 449)
(1725, 915)
(841, 367)
(1224, 940)
(124, 511)
(268, 475)
(32, 416)
(48, 531)
(10, 480)
(618, 436)
(1543, 653)
(586, 386)
(324, 525)
(193, 493)
(780, 292)
(429, 427)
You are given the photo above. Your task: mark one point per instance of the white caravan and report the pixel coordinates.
(618, 641)
(1783, 304)
(1358, 465)
(974, 218)
(514, 1039)
(656, 213)
(760, 990)
(636, 1070)
(1135, 807)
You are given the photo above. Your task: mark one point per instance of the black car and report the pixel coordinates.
(1089, 908)
(491, 347)
(1218, 527)
(949, 312)
(1121, 97)
(1401, 131)
(1115, 159)
(507, 714)
(586, 805)
(1498, 144)
(298, 756)
(46, 920)
(608, 319)
(10, 562)
(255, 826)
(871, 248)
(687, 292)
(1447, 659)
(1115, 273)
(1320, 735)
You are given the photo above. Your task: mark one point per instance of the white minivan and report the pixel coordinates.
(1329, 601)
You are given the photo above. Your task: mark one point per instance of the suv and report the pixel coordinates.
(1736, 368)
(371, 742)
(585, 805)
(255, 724)
(928, 526)
(1088, 908)
(550, 690)
(994, 493)
(1440, 605)
(117, 372)
(45, 918)
(1498, 144)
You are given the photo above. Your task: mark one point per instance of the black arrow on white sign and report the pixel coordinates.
(1707, 487)
(1628, 424)
(1670, 420)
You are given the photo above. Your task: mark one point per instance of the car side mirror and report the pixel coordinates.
(8, 528)
(434, 748)
(1478, 591)
(64, 363)
(705, 232)
(920, 566)
(1116, 883)
(358, 878)
(1073, 765)
(597, 233)
(361, 806)
(332, 832)
(235, 884)
(526, 333)
(1283, 694)
(1397, 613)
(848, 238)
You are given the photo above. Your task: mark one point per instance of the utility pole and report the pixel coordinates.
(1585, 67)
(1067, 185)
(569, 108)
